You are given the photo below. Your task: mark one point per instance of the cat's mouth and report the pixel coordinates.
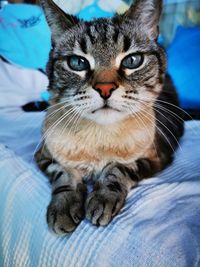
(105, 107)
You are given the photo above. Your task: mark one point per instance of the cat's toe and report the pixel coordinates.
(59, 221)
(102, 205)
(64, 214)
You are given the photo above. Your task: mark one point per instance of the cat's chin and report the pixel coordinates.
(106, 116)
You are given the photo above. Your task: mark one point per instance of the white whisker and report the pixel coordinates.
(141, 120)
(163, 133)
(49, 131)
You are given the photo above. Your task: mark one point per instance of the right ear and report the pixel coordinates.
(147, 14)
(57, 19)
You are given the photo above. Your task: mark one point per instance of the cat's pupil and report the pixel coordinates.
(132, 60)
(80, 61)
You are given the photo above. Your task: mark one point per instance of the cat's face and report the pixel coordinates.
(107, 68)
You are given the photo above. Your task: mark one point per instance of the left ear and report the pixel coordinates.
(57, 19)
(147, 14)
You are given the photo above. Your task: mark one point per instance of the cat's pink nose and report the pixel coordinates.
(105, 89)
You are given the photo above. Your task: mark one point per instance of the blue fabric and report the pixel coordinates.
(24, 35)
(159, 226)
(184, 66)
(94, 11)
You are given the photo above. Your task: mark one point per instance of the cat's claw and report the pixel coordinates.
(102, 205)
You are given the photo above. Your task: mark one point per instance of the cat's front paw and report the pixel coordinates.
(104, 203)
(66, 210)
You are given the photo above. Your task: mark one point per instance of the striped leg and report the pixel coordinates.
(111, 189)
(66, 208)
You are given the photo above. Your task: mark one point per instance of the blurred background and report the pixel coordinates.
(25, 44)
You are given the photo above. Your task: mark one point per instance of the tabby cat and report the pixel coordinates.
(113, 116)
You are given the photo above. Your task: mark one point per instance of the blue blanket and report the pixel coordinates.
(159, 225)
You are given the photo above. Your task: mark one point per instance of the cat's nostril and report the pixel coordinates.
(105, 89)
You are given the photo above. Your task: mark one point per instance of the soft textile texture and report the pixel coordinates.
(183, 65)
(24, 35)
(88, 9)
(158, 227)
(19, 85)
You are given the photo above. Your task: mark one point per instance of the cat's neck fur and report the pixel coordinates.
(96, 144)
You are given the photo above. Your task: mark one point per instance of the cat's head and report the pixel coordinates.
(106, 69)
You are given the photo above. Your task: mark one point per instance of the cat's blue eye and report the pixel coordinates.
(132, 61)
(78, 63)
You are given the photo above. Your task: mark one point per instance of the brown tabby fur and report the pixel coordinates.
(117, 141)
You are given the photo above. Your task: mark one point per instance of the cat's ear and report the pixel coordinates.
(147, 14)
(57, 19)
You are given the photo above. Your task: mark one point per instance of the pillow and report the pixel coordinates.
(184, 66)
(20, 85)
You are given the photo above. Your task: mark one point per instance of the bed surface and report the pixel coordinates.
(159, 226)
